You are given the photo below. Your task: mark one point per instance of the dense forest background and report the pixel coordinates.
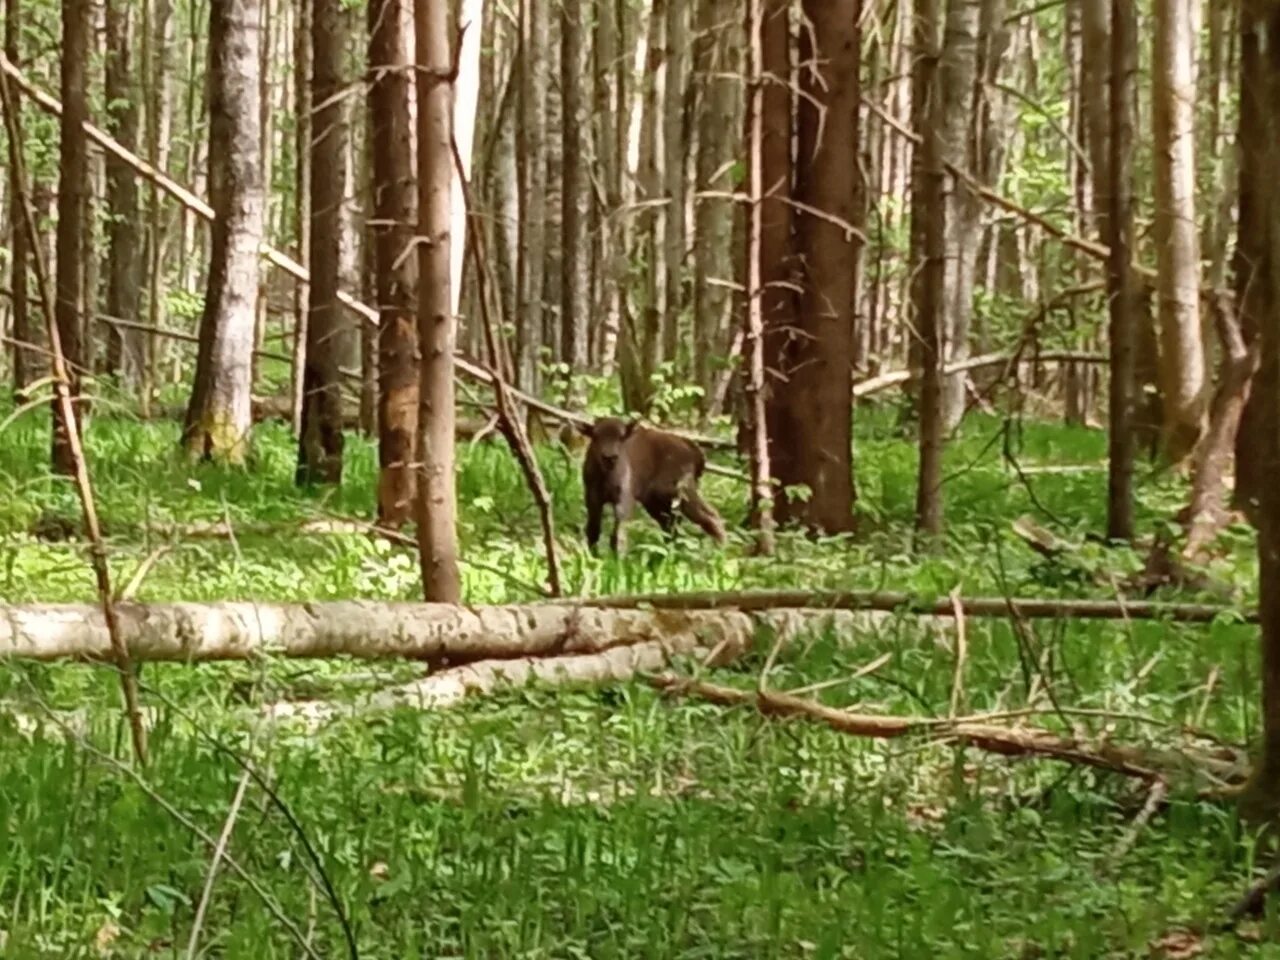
(308, 309)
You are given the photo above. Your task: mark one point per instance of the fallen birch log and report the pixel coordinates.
(438, 633)
(890, 601)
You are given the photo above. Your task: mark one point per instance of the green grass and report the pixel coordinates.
(607, 823)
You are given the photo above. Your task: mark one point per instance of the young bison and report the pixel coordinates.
(627, 463)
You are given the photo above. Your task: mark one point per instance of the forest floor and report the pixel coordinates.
(612, 822)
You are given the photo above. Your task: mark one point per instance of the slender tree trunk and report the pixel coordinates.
(126, 349)
(757, 269)
(928, 223)
(575, 197)
(437, 507)
(816, 384)
(1182, 362)
(395, 205)
(155, 36)
(73, 157)
(531, 166)
(320, 442)
(673, 144)
(219, 417)
(26, 364)
(1118, 222)
(1095, 60)
(610, 143)
(266, 87)
(718, 118)
(1250, 264)
(301, 200)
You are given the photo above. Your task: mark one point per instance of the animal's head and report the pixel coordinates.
(607, 435)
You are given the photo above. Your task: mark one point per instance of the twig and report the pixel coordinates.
(218, 852)
(84, 487)
(130, 589)
(962, 653)
(858, 674)
(1155, 797)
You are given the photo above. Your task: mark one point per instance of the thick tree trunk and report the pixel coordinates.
(815, 447)
(73, 158)
(320, 441)
(395, 205)
(1251, 260)
(437, 506)
(219, 416)
(125, 348)
(1182, 362)
(575, 196)
(26, 362)
(1118, 222)
(718, 119)
(929, 294)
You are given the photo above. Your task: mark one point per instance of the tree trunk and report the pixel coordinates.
(73, 158)
(1262, 801)
(26, 362)
(394, 214)
(532, 172)
(301, 200)
(718, 119)
(125, 348)
(758, 268)
(673, 165)
(436, 507)
(928, 224)
(1118, 222)
(575, 196)
(815, 395)
(1095, 59)
(1250, 263)
(320, 442)
(159, 120)
(1182, 363)
(610, 143)
(219, 417)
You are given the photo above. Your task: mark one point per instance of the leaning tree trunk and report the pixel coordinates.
(436, 507)
(320, 440)
(25, 360)
(1118, 224)
(928, 289)
(815, 392)
(125, 346)
(73, 157)
(219, 417)
(1250, 264)
(1182, 362)
(395, 205)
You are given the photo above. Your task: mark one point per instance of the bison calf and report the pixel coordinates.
(627, 463)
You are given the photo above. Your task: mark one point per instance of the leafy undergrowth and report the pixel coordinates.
(610, 823)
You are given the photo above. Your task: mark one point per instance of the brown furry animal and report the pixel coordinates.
(628, 464)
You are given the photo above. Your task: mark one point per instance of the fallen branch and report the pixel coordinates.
(893, 378)
(1148, 765)
(890, 601)
(440, 634)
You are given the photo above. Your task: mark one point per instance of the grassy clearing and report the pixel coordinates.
(606, 823)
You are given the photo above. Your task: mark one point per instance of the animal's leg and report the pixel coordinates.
(700, 512)
(621, 513)
(595, 516)
(660, 508)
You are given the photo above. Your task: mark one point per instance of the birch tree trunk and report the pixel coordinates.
(219, 416)
(1182, 362)
(437, 506)
(73, 158)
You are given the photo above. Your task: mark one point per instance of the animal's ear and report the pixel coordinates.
(631, 427)
(586, 429)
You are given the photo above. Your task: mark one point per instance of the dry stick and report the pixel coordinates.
(511, 425)
(84, 487)
(893, 378)
(892, 601)
(282, 260)
(1159, 790)
(1024, 741)
(962, 653)
(218, 852)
